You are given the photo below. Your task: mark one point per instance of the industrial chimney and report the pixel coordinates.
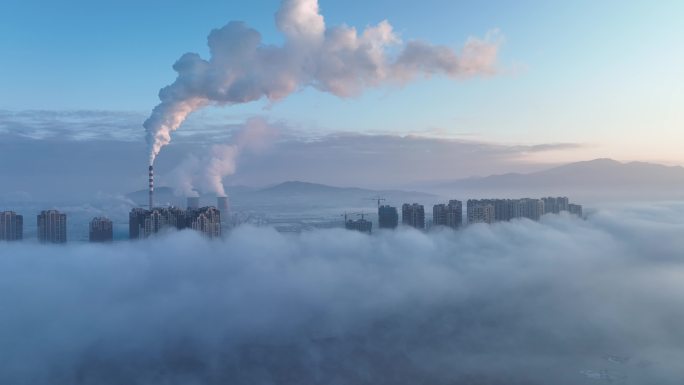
(222, 205)
(151, 187)
(193, 203)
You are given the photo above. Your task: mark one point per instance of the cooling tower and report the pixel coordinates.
(222, 205)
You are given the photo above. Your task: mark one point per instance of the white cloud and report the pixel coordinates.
(339, 60)
(522, 302)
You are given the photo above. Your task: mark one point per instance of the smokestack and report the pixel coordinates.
(151, 187)
(222, 205)
(193, 203)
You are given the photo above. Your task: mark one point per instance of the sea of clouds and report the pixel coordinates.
(562, 301)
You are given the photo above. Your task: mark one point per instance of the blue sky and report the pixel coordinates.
(605, 74)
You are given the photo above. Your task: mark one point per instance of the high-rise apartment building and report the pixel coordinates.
(439, 214)
(450, 215)
(206, 220)
(554, 205)
(531, 208)
(52, 227)
(11, 226)
(480, 211)
(388, 217)
(136, 223)
(575, 209)
(362, 225)
(506, 209)
(143, 223)
(454, 217)
(413, 215)
(101, 229)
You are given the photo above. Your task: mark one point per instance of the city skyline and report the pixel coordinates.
(319, 192)
(217, 221)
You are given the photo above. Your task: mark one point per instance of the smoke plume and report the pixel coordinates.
(205, 172)
(339, 60)
(564, 301)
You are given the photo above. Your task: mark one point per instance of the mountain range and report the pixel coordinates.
(294, 195)
(598, 178)
(594, 180)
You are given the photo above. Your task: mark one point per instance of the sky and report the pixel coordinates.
(591, 80)
(454, 90)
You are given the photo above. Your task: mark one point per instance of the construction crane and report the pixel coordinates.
(361, 225)
(346, 215)
(378, 199)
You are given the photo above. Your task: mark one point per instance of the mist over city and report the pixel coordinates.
(318, 192)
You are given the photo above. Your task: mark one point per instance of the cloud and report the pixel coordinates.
(563, 301)
(339, 60)
(86, 125)
(380, 161)
(205, 172)
(75, 148)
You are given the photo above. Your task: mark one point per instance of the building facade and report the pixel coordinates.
(206, 220)
(136, 223)
(439, 215)
(362, 225)
(480, 211)
(454, 214)
(554, 205)
(52, 227)
(413, 215)
(449, 215)
(101, 229)
(11, 226)
(144, 223)
(532, 208)
(575, 209)
(388, 217)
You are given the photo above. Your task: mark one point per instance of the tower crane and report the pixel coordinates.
(378, 199)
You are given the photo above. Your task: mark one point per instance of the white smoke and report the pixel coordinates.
(339, 60)
(564, 301)
(205, 172)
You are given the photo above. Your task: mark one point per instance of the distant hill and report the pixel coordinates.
(293, 195)
(296, 193)
(595, 178)
(162, 196)
(298, 188)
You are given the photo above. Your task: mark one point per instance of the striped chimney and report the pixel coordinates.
(151, 187)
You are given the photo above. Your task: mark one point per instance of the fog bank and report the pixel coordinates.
(564, 301)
